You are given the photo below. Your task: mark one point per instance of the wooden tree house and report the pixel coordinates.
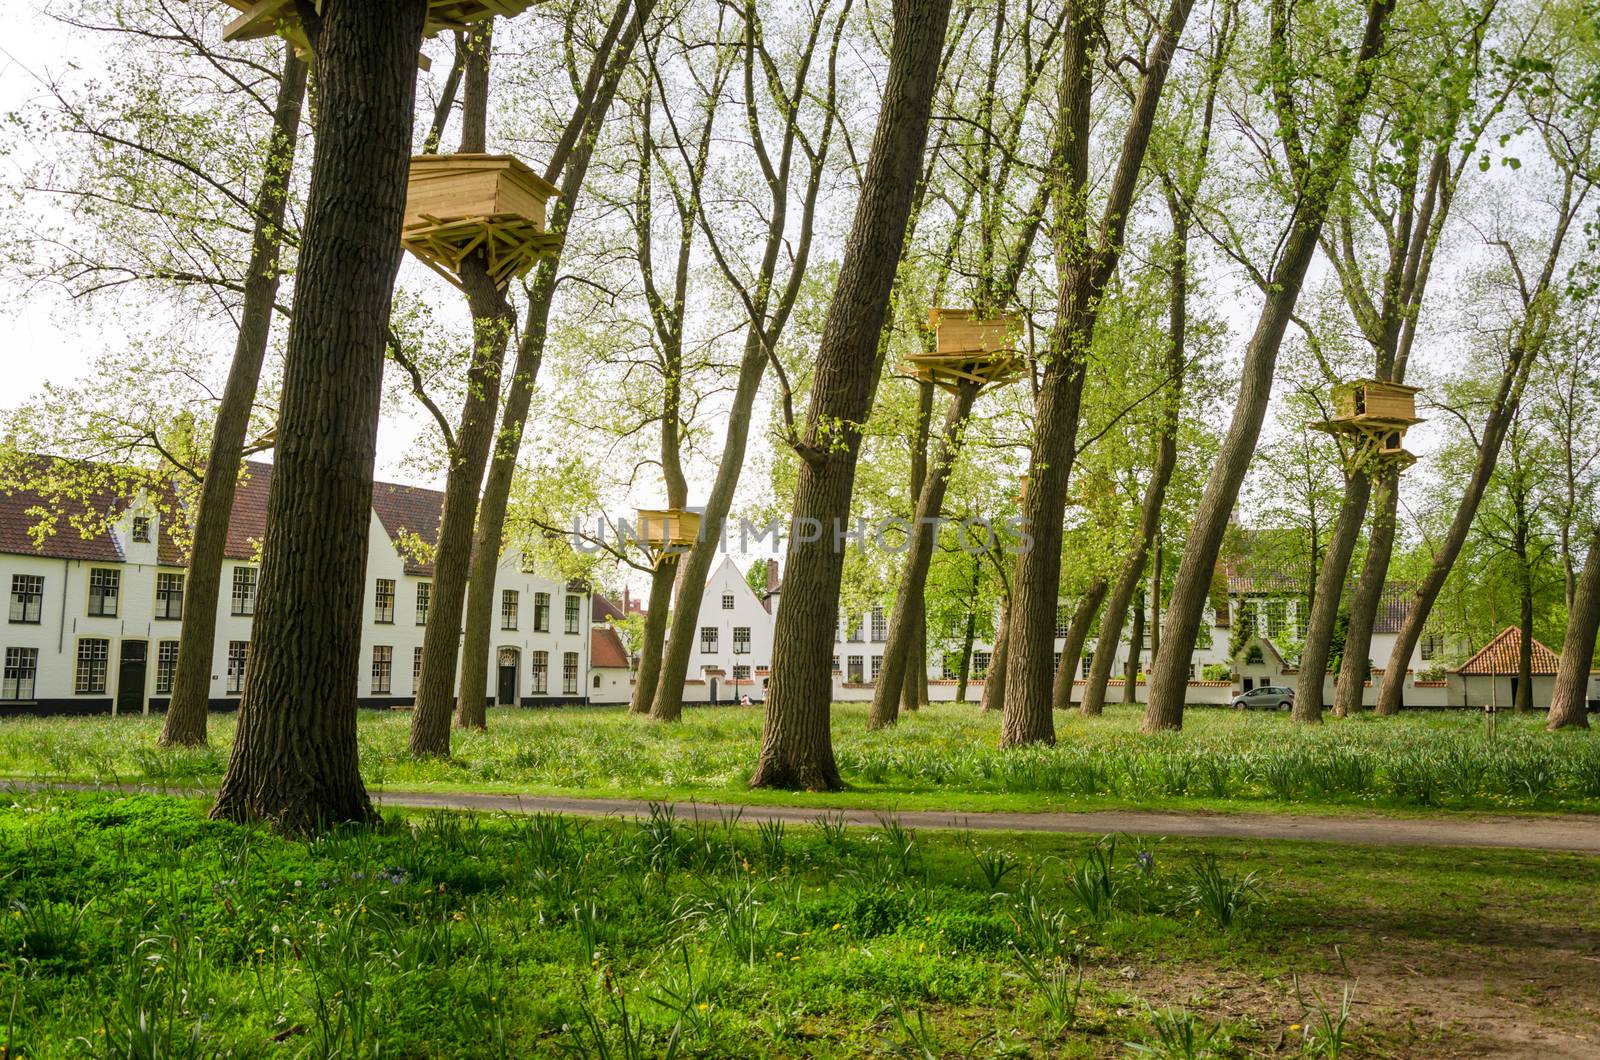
(263, 18)
(969, 349)
(1375, 416)
(459, 204)
(666, 532)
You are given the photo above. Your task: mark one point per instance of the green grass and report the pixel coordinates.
(135, 927)
(942, 758)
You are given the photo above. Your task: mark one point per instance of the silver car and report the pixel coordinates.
(1267, 697)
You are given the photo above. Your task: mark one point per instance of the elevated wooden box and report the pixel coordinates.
(459, 204)
(262, 18)
(662, 528)
(1376, 403)
(969, 349)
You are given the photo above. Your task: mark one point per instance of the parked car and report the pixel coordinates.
(1267, 697)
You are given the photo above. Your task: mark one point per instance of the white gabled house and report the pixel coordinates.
(732, 651)
(93, 621)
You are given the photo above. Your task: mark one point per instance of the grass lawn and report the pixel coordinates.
(135, 928)
(942, 758)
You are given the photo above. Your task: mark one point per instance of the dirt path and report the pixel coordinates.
(1564, 833)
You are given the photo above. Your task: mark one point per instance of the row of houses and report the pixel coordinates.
(96, 607)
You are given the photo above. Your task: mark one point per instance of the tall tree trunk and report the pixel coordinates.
(185, 723)
(994, 679)
(1355, 666)
(1325, 603)
(1501, 413)
(1156, 559)
(915, 690)
(1524, 698)
(970, 634)
(1130, 688)
(492, 321)
(1569, 706)
(797, 749)
(655, 633)
(1323, 173)
(1089, 266)
(569, 163)
(906, 618)
(294, 758)
(1083, 616)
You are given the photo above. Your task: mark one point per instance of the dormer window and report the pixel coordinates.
(141, 529)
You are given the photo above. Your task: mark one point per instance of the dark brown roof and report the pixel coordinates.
(605, 648)
(601, 609)
(69, 503)
(1499, 656)
(247, 525)
(409, 512)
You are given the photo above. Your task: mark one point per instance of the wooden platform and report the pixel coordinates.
(263, 18)
(969, 349)
(1375, 416)
(661, 529)
(460, 204)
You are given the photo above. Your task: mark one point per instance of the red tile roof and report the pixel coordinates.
(409, 512)
(68, 502)
(1499, 656)
(606, 649)
(602, 609)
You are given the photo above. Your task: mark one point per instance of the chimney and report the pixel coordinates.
(772, 585)
(625, 607)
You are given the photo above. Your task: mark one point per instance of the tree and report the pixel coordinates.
(1317, 170)
(1085, 262)
(293, 761)
(796, 745)
(1569, 705)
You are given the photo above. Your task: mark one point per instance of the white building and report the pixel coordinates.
(93, 621)
(732, 654)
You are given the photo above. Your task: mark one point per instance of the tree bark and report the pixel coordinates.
(906, 618)
(970, 635)
(1524, 698)
(994, 679)
(1325, 603)
(655, 633)
(1354, 669)
(1130, 687)
(797, 748)
(915, 690)
(570, 164)
(1083, 615)
(294, 759)
(1170, 674)
(1569, 706)
(1089, 264)
(185, 723)
(492, 322)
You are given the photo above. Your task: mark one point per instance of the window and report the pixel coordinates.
(980, 664)
(383, 602)
(880, 627)
(836, 665)
(1274, 617)
(950, 666)
(569, 673)
(877, 666)
(597, 680)
(166, 666)
(1055, 661)
(1087, 664)
(741, 673)
(1063, 619)
(574, 609)
(93, 652)
(104, 586)
(510, 600)
(141, 529)
(853, 674)
(169, 596)
(244, 590)
(238, 658)
(424, 598)
(382, 669)
(708, 640)
(727, 601)
(1432, 644)
(541, 672)
(27, 597)
(541, 612)
(741, 640)
(855, 634)
(416, 668)
(21, 669)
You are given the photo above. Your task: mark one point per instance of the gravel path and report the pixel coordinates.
(1579, 834)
